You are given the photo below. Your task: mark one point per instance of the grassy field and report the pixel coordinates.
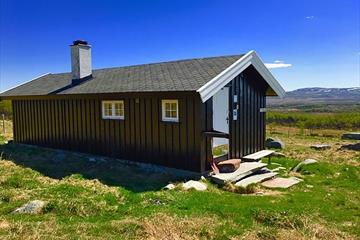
(113, 200)
(316, 120)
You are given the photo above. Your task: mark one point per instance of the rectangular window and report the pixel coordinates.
(170, 110)
(113, 109)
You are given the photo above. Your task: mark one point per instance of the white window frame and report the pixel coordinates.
(113, 116)
(170, 119)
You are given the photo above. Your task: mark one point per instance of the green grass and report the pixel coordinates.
(343, 120)
(109, 200)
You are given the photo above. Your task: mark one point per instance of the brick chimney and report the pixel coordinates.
(80, 61)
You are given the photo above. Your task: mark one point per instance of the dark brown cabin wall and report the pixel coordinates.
(75, 123)
(247, 133)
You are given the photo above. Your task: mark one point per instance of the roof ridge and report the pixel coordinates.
(163, 62)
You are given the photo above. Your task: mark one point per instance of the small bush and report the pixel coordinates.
(230, 187)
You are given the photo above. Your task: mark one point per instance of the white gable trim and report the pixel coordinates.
(251, 58)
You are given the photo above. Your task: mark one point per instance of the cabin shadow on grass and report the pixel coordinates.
(58, 164)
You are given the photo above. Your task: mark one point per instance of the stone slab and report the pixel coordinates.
(244, 170)
(280, 182)
(255, 179)
(259, 155)
(351, 135)
(355, 147)
(320, 146)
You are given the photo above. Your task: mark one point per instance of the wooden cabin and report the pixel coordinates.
(168, 113)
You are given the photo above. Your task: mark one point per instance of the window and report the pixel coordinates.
(170, 110)
(113, 109)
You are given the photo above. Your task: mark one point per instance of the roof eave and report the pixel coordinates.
(251, 58)
(3, 94)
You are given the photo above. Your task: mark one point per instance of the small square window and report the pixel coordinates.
(113, 109)
(170, 110)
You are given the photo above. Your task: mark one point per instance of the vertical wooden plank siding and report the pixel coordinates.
(77, 124)
(247, 133)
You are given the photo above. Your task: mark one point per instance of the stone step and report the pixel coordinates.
(244, 170)
(256, 178)
(280, 182)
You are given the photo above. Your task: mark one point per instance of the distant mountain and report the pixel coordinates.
(319, 95)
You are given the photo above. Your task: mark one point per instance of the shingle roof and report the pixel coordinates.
(183, 75)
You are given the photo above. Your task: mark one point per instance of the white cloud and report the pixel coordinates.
(278, 64)
(310, 17)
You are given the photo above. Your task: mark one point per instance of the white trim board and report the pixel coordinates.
(251, 58)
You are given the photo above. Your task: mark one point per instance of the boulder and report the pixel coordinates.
(170, 186)
(305, 162)
(355, 146)
(33, 207)
(199, 186)
(274, 143)
(229, 166)
(351, 135)
(270, 139)
(320, 146)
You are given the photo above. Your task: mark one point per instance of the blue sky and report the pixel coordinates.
(320, 39)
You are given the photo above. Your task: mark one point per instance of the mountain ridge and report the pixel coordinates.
(318, 95)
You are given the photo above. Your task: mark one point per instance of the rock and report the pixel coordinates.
(157, 202)
(280, 182)
(199, 186)
(355, 146)
(33, 207)
(274, 143)
(270, 139)
(320, 146)
(278, 154)
(170, 186)
(305, 162)
(229, 166)
(351, 135)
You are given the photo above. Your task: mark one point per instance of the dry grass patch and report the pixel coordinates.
(162, 226)
(311, 230)
(32, 230)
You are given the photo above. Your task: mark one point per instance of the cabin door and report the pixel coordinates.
(220, 115)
